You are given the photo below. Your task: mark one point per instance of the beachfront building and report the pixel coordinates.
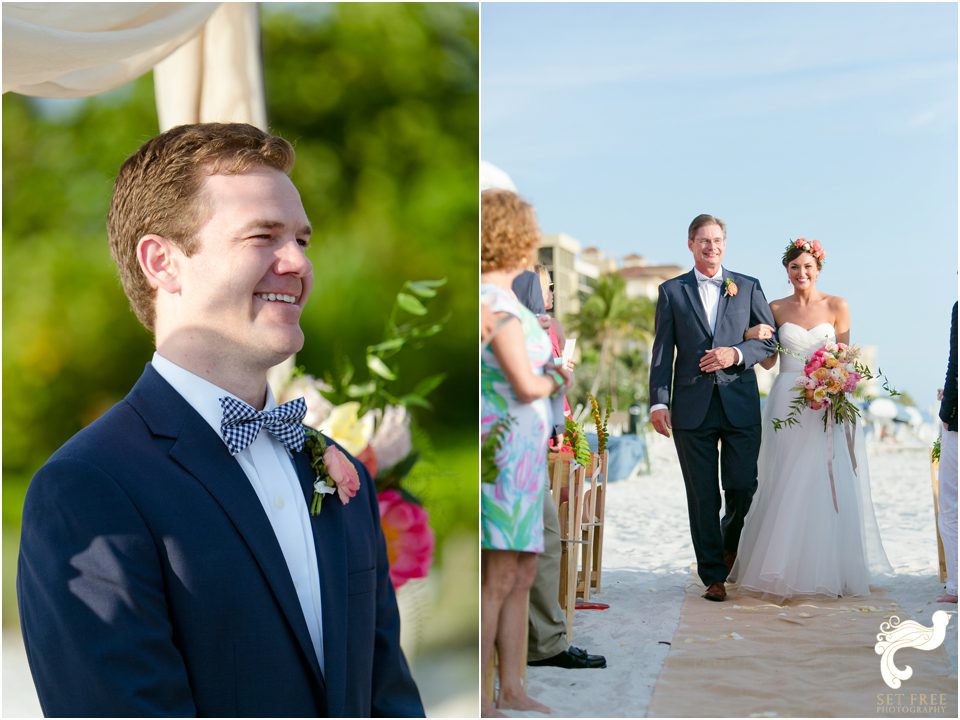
(642, 279)
(561, 255)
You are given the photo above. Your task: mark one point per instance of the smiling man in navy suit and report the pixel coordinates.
(169, 563)
(703, 387)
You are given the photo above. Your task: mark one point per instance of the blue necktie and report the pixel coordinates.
(242, 423)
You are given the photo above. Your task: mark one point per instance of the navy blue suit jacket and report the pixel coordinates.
(151, 583)
(681, 325)
(948, 406)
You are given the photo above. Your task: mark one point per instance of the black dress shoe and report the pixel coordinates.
(573, 658)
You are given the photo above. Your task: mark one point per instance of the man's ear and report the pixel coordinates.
(158, 258)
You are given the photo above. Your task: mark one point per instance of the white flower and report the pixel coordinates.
(343, 425)
(392, 441)
(320, 486)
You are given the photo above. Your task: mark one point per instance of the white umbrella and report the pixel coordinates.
(492, 177)
(882, 409)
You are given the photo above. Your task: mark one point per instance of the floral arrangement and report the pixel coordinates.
(935, 451)
(373, 423)
(730, 288)
(812, 247)
(829, 377)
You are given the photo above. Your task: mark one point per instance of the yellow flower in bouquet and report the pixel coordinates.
(345, 426)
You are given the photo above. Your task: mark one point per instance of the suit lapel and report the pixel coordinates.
(332, 566)
(201, 452)
(693, 296)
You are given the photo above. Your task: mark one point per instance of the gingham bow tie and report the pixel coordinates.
(715, 280)
(242, 423)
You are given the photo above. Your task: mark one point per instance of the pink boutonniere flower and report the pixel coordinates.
(730, 287)
(335, 473)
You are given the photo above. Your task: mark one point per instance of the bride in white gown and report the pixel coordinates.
(795, 540)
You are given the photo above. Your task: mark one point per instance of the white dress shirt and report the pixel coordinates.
(269, 467)
(710, 298)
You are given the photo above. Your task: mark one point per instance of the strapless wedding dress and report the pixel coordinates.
(795, 542)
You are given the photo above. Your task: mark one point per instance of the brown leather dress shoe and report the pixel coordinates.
(716, 592)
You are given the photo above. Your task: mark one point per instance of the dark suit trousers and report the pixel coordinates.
(699, 450)
(548, 624)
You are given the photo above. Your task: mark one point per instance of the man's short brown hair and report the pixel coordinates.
(508, 231)
(157, 192)
(700, 220)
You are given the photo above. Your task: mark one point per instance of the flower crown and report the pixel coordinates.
(808, 246)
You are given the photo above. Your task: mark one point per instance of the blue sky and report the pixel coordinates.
(620, 122)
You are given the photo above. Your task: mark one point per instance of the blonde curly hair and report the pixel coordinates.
(508, 231)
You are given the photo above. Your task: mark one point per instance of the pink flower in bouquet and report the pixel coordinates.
(851, 384)
(342, 472)
(369, 459)
(406, 528)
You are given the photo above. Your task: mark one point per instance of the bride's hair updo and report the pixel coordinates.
(798, 247)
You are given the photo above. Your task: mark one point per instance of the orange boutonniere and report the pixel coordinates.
(730, 288)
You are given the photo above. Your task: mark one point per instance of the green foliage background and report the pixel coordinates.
(381, 102)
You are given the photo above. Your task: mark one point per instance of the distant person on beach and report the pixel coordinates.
(808, 532)
(703, 387)
(948, 467)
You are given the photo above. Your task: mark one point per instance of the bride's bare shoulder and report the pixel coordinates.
(837, 303)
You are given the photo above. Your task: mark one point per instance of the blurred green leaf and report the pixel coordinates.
(380, 368)
(411, 304)
(428, 385)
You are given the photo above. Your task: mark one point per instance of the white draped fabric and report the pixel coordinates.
(206, 55)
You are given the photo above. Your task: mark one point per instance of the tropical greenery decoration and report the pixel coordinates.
(614, 334)
(601, 423)
(575, 439)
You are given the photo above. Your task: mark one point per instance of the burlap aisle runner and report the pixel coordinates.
(815, 658)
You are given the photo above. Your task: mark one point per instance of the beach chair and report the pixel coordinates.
(567, 478)
(600, 489)
(588, 528)
(935, 477)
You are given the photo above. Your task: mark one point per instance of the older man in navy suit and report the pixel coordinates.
(169, 563)
(708, 395)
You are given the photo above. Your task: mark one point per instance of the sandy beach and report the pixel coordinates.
(647, 575)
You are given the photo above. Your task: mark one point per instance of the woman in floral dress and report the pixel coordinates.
(515, 388)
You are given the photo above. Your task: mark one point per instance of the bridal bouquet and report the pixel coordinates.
(829, 377)
(374, 425)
